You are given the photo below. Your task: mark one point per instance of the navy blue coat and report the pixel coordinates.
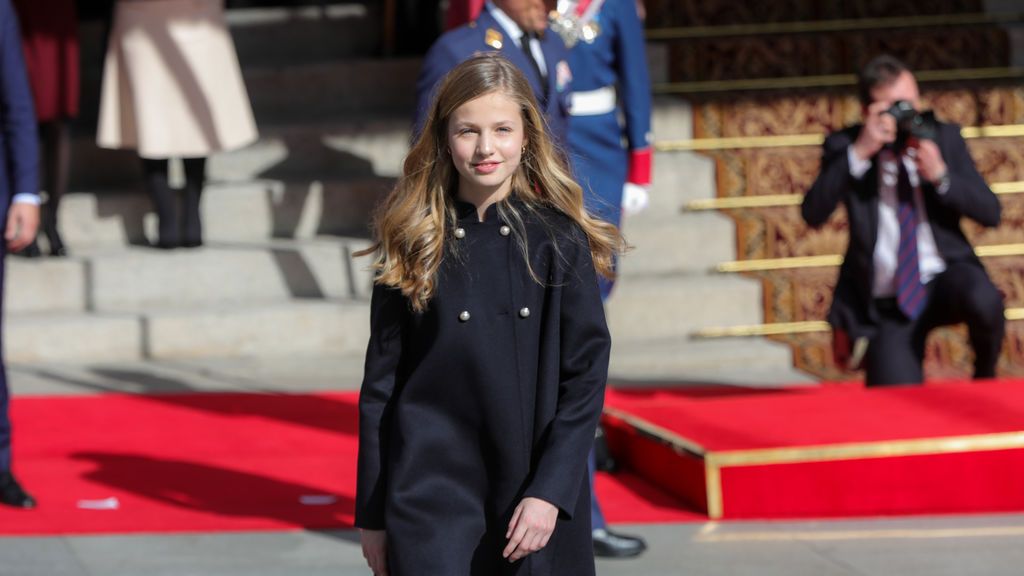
(460, 418)
(853, 308)
(19, 163)
(463, 42)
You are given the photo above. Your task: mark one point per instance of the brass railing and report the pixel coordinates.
(829, 81)
(795, 140)
(784, 200)
(789, 328)
(837, 25)
(832, 260)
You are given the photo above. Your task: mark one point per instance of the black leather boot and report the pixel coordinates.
(169, 229)
(195, 179)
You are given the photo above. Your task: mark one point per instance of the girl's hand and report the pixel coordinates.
(375, 550)
(530, 528)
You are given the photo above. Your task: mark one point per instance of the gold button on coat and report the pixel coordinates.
(460, 232)
(464, 316)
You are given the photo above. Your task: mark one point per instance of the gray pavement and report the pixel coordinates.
(933, 546)
(954, 546)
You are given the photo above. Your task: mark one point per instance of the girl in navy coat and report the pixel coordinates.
(488, 352)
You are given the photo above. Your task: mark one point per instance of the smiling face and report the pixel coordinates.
(485, 136)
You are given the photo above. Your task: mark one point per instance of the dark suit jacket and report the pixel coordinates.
(464, 42)
(968, 195)
(19, 163)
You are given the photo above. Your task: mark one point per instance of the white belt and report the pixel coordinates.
(593, 102)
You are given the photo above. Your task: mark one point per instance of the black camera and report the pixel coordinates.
(912, 124)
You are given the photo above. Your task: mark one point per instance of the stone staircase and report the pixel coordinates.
(668, 290)
(283, 217)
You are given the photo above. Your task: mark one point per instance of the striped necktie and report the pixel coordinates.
(911, 295)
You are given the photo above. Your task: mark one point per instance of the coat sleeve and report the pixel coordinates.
(387, 324)
(832, 184)
(968, 194)
(16, 109)
(585, 346)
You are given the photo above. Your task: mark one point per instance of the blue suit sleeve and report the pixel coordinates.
(17, 110)
(634, 78)
(436, 64)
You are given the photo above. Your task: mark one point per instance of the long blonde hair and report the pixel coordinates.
(413, 223)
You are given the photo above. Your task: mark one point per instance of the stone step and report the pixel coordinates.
(265, 329)
(285, 35)
(143, 279)
(668, 243)
(673, 306)
(278, 35)
(683, 360)
(330, 89)
(337, 149)
(274, 329)
(305, 91)
(232, 212)
(54, 285)
(72, 337)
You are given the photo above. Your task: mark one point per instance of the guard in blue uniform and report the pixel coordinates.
(609, 64)
(542, 57)
(610, 82)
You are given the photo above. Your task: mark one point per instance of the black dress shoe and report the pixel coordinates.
(30, 251)
(12, 494)
(608, 544)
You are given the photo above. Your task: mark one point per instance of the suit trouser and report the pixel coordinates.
(963, 293)
(5, 418)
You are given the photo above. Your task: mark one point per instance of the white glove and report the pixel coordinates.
(634, 199)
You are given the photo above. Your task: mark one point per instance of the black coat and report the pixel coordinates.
(968, 195)
(462, 418)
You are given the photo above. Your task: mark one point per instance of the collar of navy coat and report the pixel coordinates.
(466, 211)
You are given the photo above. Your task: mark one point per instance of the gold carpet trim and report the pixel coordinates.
(715, 461)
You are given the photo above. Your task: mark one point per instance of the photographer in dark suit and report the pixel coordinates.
(906, 180)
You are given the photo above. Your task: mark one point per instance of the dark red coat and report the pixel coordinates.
(462, 415)
(49, 31)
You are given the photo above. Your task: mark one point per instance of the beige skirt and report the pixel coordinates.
(172, 86)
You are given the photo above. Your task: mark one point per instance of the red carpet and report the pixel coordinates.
(213, 462)
(828, 451)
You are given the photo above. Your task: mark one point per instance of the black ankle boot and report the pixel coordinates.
(195, 179)
(53, 237)
(192, 226)
(30, 251)
(169, 230)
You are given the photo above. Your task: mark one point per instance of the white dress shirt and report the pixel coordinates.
(517, 34)
(930, 262)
